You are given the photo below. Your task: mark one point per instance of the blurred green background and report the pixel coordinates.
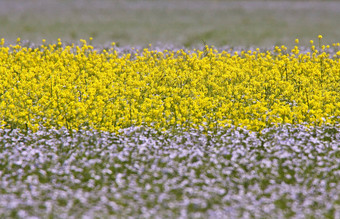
(178, 22)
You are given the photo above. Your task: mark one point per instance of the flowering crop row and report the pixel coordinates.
(73, 86)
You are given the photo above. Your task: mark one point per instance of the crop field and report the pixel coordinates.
(79, 87)
(169, 109)
(110, 132)
(176, 22)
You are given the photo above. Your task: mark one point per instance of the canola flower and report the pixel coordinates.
(77, 86)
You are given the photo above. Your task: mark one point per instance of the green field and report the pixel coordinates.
(180, 23)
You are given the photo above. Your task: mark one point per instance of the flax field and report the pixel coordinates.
(110, 132)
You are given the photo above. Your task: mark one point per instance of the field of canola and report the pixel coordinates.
(79, 86)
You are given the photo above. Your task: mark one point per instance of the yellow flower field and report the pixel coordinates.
(77, 87)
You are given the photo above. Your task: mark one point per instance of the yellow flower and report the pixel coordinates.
(75, 86)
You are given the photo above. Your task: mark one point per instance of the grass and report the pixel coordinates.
(188, 23)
